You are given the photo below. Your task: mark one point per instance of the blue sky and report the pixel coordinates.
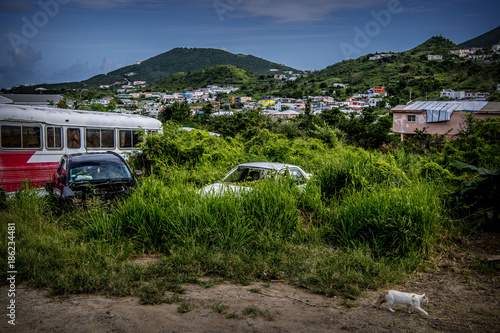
(50, 41)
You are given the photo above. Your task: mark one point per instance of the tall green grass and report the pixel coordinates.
(159, 218)
(392, 222)
(360, 223)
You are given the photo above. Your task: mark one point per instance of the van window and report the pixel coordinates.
(129, 138)
(17, 136)
(53, 137)
(73, 138)
(100, 138)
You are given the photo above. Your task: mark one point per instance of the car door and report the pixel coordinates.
(59, 176)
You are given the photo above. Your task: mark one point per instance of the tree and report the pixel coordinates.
(97, 107)
(63, 104)
(91, 94)
(178, 112)
(112, 105)
(333, 117)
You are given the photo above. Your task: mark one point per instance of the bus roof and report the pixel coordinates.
(53, 116)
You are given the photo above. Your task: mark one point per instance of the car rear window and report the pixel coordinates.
(98, 168)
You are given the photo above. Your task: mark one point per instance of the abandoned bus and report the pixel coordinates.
(33, 139)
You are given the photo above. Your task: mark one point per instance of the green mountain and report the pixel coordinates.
(185, 60)
(485, 40)
(222, 75)
(435, 45)
(177, 60)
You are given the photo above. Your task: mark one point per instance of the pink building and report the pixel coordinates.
(439, 117)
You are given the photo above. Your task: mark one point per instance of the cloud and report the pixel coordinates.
(297, 10)
(100, 4)
(82, 71)
(24, 58)
(21, 69)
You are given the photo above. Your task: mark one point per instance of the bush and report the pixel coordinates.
(478, 143)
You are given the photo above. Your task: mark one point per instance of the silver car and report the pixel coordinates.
(242, 177)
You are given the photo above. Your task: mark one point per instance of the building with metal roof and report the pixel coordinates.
(439, 117)
(33, 99)
(5, 100)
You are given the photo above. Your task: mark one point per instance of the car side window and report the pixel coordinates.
(297, 176)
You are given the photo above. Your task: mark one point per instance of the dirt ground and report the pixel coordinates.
(464, 295)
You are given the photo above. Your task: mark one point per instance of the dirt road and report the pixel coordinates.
(463, 292)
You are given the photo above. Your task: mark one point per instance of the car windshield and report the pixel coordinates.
(87, 170)
(245, 174)
(249, 174)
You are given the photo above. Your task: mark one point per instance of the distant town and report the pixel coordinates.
(130, 99)
(132, 96)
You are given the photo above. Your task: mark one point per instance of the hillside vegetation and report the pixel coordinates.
(411, 70)
(174, 61)
(403, 74)
(223, 75)
(485, 40)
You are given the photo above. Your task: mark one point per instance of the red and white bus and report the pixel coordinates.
(33, 139)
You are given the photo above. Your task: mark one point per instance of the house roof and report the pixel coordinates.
(470, 106)
(32, 98)
(448, 105)
(5, 100)
(491, 107)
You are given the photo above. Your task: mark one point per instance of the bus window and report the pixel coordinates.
(129, 138)
(73, 138)
(16, 136)
(100, 138)
(54, 137)
(107, 139)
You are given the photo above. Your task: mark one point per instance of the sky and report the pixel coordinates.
(52, 41)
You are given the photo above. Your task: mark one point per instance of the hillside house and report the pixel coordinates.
(465, 52)
(377, 91)
(452, 94)
(434, 57)
(477, 95)
(381, 56)
(439, 117)
(283, 114)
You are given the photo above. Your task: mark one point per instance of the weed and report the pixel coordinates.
(232, 315)
(349, 303)
(220, 308)
(173, 299)
(255, 311)
(149, 294)
(185, 307)
(210, 283)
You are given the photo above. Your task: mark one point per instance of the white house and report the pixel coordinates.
(434, 57)
(453, 94)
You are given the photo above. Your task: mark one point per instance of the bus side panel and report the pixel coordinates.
(15, 170)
